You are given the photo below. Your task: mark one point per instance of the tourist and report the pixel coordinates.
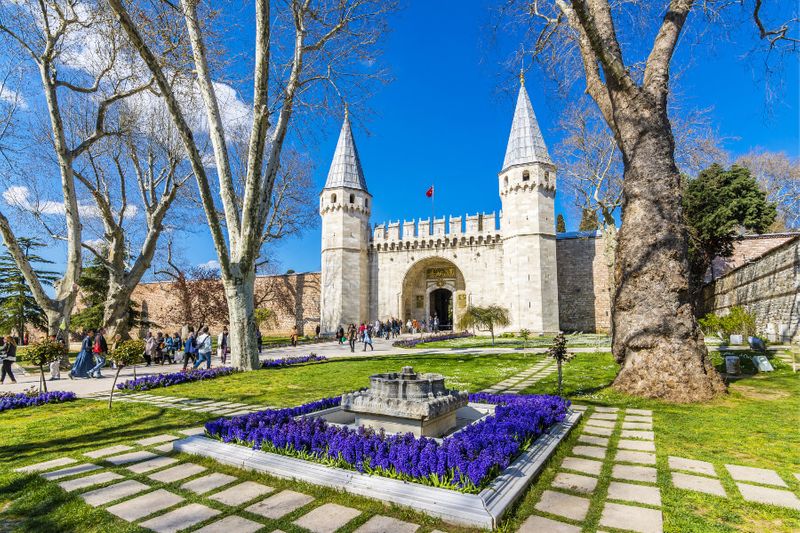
(316, 332)
(340, 335)
(203, 348)
(259, 340)
(149, 348)
(158, 350)
(173, 346)
(351, 337)
(294, 336)
(83, 363)
(189, 349)
(222, 345)
(8, 355)
(99, 350)
(368, 340)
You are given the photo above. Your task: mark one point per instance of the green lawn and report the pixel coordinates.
(583, 340)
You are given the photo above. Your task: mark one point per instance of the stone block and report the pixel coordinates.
(635, 434)
(164, 448)
(590, 451)
(113, 492)
(646, 412)
(596, 441)
(327, 518)
(698, 484)
(386, 524)
(70, 471)
(111, 450)
(144, 505)
(208, 483)
(241, 493)
(47, 465)
(634, 473)
(88, 481)
(181, 518)
(637, 425)
(601, 409)
(177, 473)
(231, 524)
(601, 423)
(566, 505)
(632, 518)
(640, 445)
(587, 466)
(158, 439)
(603, 416)
(755, 475)
(194, 431)
(540, 524)
(152, 464)
(628, 456)
(780, 498)
(634, 493)
(603, 432)
(638, 418)
(132, 457)
(691, 465)
(574, 482)
(280, 504)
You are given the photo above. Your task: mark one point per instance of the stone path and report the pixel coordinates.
(524, 379)
(183, 404)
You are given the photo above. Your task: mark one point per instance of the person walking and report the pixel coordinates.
(340, 335)
(8, 355)
(203, 348)
(351, 337)
(99, 350)
(189, 349)
(83, 363)
(149, 348)
(294, 336)
(368, 340)
(172, 346)
(222, 344)
(259, 340)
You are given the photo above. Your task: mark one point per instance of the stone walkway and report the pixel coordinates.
(184, 404)
(524, 379)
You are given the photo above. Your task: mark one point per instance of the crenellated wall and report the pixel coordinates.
(471, 228)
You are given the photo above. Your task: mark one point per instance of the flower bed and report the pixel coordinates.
(466, 461)
(411, 343)
(155, 381)
(289, 361)
(21, 400)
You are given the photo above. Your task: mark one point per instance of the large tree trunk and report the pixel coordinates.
(239, 292)
(656, 336)
(116, 319)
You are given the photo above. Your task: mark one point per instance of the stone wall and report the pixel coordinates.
(768, 287)
(583, 297)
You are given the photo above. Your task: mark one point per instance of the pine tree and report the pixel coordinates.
(561, 225)
(589, 220)
(18, 308)
(93, 284)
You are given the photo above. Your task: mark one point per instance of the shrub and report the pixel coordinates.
(26, 399)
(737, 321)
(411, 343)
(43, 353)
(289, 361)
(175, 378)
(125, 354)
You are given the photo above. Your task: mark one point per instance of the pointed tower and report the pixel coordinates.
(527, 192)
(344, 207)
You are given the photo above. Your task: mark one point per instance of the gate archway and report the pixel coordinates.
(434, 287)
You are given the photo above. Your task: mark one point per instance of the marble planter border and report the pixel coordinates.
(477, 510)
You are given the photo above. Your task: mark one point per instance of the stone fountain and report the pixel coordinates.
(406, 402)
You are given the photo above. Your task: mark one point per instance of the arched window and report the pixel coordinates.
(526, 176)
(333, 198)
(352, 198)
(366, 202)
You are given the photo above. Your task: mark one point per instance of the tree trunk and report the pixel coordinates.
(116, 319)
(239, 293)
(655, 334)
(610, 253)
(113, 385)
(558, 364)
(42, 381)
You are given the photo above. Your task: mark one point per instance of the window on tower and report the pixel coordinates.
(352, 198)
(333, 198)
(366, 202)
(526, 176)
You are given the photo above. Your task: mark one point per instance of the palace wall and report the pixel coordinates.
(583, 282)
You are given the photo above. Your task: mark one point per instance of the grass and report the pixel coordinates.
(582, 340)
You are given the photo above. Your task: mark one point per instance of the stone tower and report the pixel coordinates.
(527, 192)
(344, 207)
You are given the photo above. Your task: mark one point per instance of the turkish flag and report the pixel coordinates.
(429, 192)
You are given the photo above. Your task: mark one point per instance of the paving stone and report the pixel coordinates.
(641, 445)
(111, 450)
(637, 425)
(176, 473)
(634, 493)
(152, 464)
(164, 448)
(634, 434)
(327, 518)
(280, 504)
(628, 456)
(603, 416)
(597, 441)
(158, 439)
(590, 451)
(698, 484)
(88, 481)
(601, 423)
(601, 409)
(231, 524)
(144, 505)
(587, 466)
(781, 498)
(47, 465)
(193, 431)
(181, 518)
(647, 412)
(540, 524)
(241, 493)
(756, 475)
(566, 505)
(632, 518)
(576, 482)
(70, 471)
(385, 524)
(113, 492)
(578, 407)
(592, 430)
(638, 418)
(634, 473)
(208, 483)
(691, 465)
(132, 457)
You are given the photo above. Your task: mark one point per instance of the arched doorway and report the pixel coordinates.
(433, 287)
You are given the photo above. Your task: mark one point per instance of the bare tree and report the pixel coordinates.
(53, 37)
(655, 335)
(779, 176)
(299, 47)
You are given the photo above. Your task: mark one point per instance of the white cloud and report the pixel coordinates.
(20, 196)
(211, 265)
(13, 97)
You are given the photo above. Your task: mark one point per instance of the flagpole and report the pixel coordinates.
(433, 210)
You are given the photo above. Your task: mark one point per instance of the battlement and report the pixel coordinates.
(478, 225)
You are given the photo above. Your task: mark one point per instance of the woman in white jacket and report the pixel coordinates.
(222, 345)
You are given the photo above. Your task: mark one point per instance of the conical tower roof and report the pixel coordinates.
(345, 168)
(525, 143)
